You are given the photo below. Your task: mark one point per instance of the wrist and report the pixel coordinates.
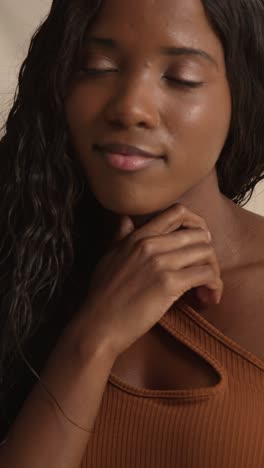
(84, 343)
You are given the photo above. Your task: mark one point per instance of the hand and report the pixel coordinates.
(145, 272)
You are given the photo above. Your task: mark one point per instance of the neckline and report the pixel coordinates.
(191, 394)
(220, 336)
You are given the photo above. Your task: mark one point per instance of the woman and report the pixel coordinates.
(131, 312)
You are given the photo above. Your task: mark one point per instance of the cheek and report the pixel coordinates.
(202, 122)
(82, 110)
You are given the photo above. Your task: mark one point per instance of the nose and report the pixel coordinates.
(133, 105)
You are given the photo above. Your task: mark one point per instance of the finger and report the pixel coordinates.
(175, 240)
(174, 218)
(207, 295)
(178, 259)
(194, 255)
(126, 226)
(196, 276)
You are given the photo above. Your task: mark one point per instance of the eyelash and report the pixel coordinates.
(95, 71)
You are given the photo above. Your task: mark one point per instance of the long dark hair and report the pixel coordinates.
(50, 221)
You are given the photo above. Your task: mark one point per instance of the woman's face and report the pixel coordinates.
(140, 99)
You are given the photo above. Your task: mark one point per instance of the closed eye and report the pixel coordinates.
(191, 84)
(97, 71)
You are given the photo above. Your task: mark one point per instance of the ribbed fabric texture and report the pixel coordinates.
(220, 426)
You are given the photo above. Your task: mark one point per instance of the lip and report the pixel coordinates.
(126, 150)
(129, 163)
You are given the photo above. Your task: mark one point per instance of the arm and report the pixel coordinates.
(41, 436)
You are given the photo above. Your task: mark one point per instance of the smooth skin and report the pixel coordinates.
(138, 103)
(147, 270)
(135, 100)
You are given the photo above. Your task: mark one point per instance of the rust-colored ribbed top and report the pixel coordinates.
(219, 426)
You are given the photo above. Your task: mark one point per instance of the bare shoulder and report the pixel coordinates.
(244, 284)
(252, 227)
(240, 312)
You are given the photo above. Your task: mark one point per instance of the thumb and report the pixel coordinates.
(126, 226)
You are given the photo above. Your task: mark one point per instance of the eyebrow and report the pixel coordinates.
(165, 50)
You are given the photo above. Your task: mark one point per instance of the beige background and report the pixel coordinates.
(18, 20)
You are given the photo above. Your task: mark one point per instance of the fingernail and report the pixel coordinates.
(218, 298)
(209, 235)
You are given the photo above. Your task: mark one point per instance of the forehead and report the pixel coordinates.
(150, 9)
(151, 23)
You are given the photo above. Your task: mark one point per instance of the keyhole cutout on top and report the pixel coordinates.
(159, 361)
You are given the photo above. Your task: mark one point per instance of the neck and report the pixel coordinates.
(221, 214)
